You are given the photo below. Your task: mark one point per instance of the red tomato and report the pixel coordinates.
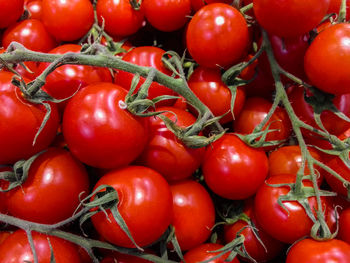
(165, 153)
(53, 172)
(344, 225)
(194, 214)
(254, 111)
(328, 58)
(19, 123)
(198, 4)
(145, 203)
(99, 131)
(31, 33)
(16, 248)
(120, 18)
(217, 35)
(275, 221)
(146, 56)
(35, 9)
(167, 15)
(312, 251)
(232, 169)
(289, 18)
(203, 252)
(10, 12)
(4, 235)
(206, 83)
(123, 258)
(67, 20)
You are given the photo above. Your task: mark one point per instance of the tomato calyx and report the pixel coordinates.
(169, 239)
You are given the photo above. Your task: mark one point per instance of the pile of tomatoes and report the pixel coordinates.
(174, 157)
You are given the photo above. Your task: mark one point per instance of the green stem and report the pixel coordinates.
(342, 12)
(246, 8)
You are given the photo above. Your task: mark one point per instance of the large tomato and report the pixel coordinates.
(289, 18)
(233, 169)
(327, 60)
(145, 203)
(217, 35)
(53, 172)
(312, 251)
(67, 20)
(10, 12)
(99, 130)
(20, 121)
(194, 213)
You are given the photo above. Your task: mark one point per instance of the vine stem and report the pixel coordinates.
(342, 12)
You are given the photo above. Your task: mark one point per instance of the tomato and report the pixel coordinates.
(194, 213)
(10, 12)
(217, 35)
(275, 221)
(67, 20)
(99, 131)
(35, 9)
(19, 123)
(204, 252)
(120, 18)
(255, 109)
(4, 235)
(123, 258)
(165, 153)
(206, 83)
(31, 33)
(64, 81)
(291, 18)
(198, 4)
(312, 251)
(233, 169)
(344, 225)
(328, 58)
(167, 15)
(145, 202)
(16, 248)
(146, 56)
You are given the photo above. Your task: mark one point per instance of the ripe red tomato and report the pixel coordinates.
(328, 58)
(165, 153)
(254, 111)
(35, 9)
(31, 33)
(16, 248)
(53, 172)
(203, 252)
(344, 225)
(67, 20)
(167, 15)
(275, 221)
(10, 12)
(146, 56)
(312, 251)
(198, 4)
(20, 121)
(206, 83)
(145, 203)
(120, 18)
(98, 129)
(194, 213)
(233, 169)
(289, 18)
(217, 35)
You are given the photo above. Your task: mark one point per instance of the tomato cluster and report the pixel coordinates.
(174, 131)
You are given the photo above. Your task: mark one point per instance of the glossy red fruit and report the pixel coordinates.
(344, 225)
(35, 9)
(10, 12)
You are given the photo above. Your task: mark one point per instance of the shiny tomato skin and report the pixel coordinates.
(165, 153)
(206, 83)
(10, 12)
(35, 9)
(16, 248)
(328, 58)
(20, 121)
(289, 18)
(194, 213)
(167, 15)
(145, 203)
(146, 56)
(31, 33)
(312, 251)
(275, 221)
(99, 131)
(123, 258)
(233, 169)
(54, 171)
(344, 225)
(198, 4)
(217, 35)
(202, 253)
(117, 13)
(67, 20)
